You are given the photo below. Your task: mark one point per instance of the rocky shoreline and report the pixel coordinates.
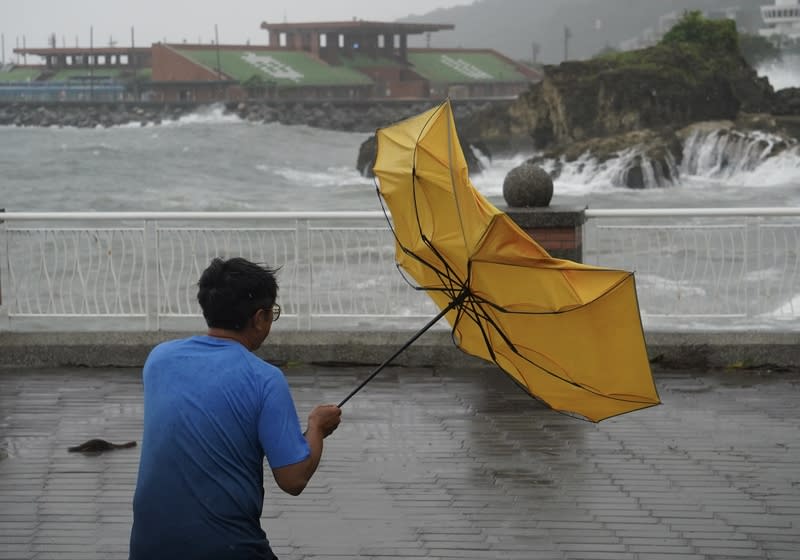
(349, 117)
(650, 109)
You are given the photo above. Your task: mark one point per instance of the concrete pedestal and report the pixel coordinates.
(559, 229)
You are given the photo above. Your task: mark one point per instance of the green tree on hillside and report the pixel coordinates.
(607, 50)
(695, 29)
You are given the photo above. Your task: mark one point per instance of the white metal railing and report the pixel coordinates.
(728, 268)
(118, 270)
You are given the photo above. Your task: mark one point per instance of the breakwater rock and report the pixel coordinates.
(361, 116)
(89, 115)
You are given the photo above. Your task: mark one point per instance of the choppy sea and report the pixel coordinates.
(212, 161)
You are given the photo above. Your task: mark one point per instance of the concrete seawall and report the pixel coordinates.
(687, 350)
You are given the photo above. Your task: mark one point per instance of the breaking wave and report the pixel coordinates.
(784, 74)
(211, 114)
(331, 177)
(735, 157)
(721, 156)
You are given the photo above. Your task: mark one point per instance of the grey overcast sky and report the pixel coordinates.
(178, 20)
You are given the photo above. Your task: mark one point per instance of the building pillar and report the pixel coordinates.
(369, 45)
(404, 47)
(388, 45)
(330, 52)
(297, 42)
(558, 229)
(348, 45)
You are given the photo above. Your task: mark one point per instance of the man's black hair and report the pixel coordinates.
(232, 290)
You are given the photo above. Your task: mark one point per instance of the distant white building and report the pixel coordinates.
(782, 19)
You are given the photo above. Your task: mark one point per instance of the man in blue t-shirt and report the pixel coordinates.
(212, 412)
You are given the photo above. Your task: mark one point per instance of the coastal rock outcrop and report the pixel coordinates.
(631, 106)
(787, 102)
(683, 79)
(366, 156)
(472, 154)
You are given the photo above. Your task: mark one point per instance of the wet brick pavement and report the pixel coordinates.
(440, 464)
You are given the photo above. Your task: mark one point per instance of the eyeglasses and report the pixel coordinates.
(276, 312)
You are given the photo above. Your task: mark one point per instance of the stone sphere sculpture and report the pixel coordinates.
(528, 185)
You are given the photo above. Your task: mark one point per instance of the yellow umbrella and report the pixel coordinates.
(569, 334)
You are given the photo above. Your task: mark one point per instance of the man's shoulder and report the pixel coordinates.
(169, 345)
(262, 367)
(174, 348)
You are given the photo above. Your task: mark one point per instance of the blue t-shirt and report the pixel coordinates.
(212, 412)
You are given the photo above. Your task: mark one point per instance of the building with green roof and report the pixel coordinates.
(194, 72)
(380, 50)
(311, 60)
(19, 74)
(470, 72)
(102, 73)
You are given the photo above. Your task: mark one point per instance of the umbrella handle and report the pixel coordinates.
(410, 341)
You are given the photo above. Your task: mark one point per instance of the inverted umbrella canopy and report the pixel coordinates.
(568, 333)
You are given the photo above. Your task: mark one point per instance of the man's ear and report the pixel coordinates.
(261, 315)
(254, 318)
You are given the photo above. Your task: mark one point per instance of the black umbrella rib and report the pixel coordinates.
(471, 308)
(574, 383)
(605, 293)
(511, 346)
(453, 284)
(449, 274)
(416, 206)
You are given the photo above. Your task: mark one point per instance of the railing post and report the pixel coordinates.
(759, 229)
(752, 243)
(5, 282)
(305, 274)
(152, 288)
(589, 240)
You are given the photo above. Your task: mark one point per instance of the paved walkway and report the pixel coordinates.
(440, 465)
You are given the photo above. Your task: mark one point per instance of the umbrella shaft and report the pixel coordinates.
(410, 341)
